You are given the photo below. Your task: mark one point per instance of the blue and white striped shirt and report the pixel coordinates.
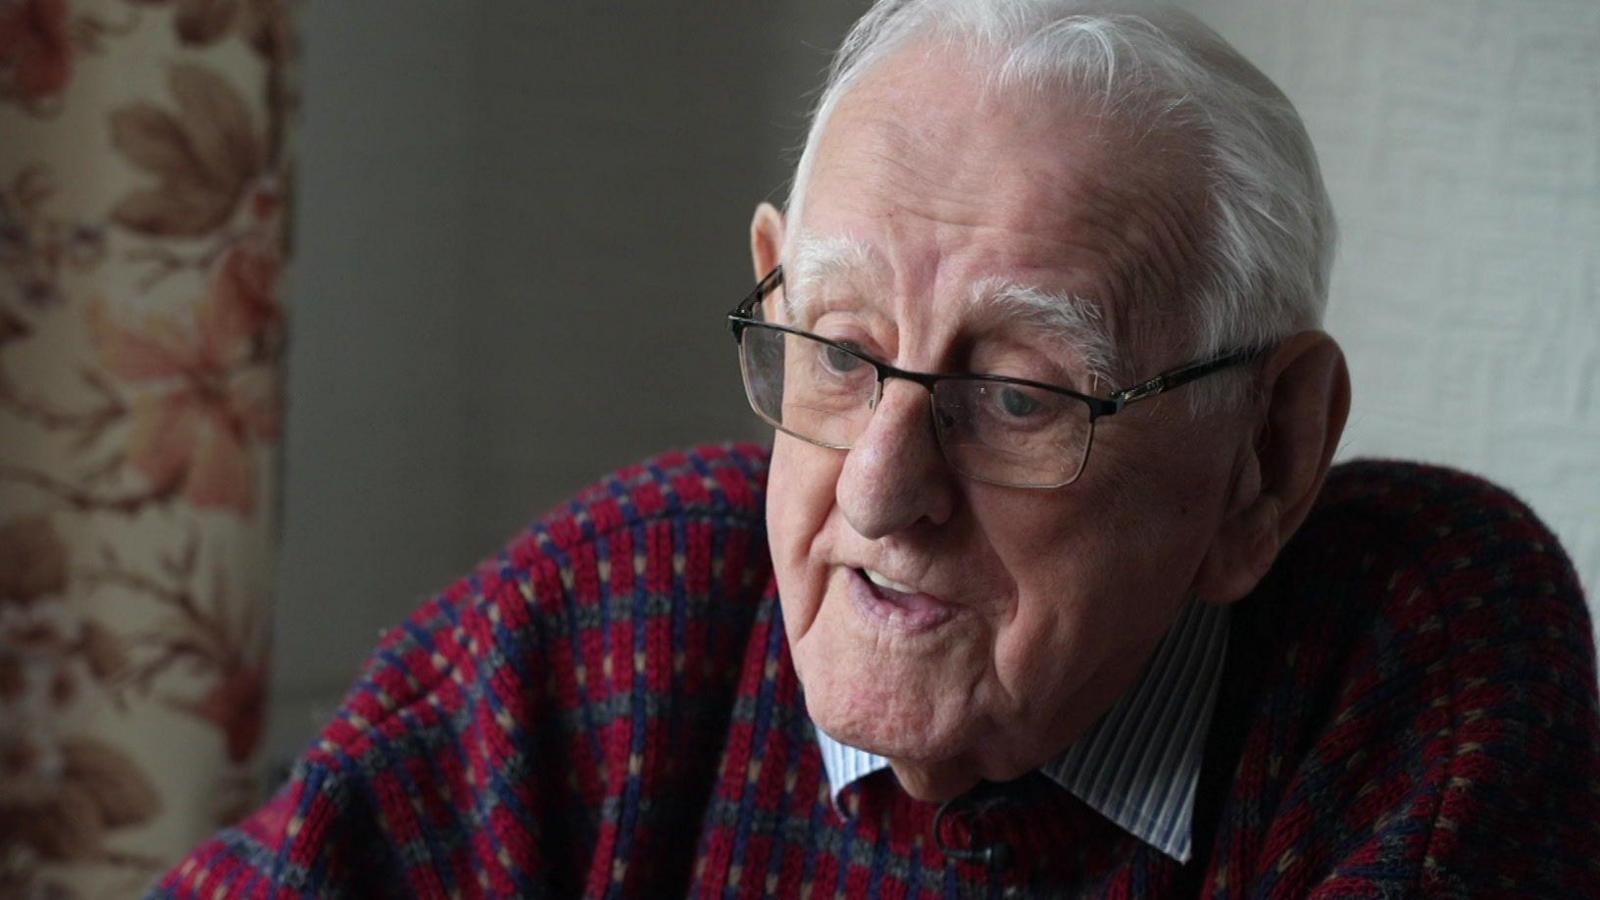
(1139, 764)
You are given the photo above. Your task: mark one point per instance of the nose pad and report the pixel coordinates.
(939, 419)
(894, 476)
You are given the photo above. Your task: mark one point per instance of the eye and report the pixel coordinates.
(839, 361)
(1015, 403)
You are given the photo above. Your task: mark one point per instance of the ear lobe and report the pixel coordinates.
(1307, 391)
(766, 238)
(1246, 541)
(1308, 403)
(1241, 555)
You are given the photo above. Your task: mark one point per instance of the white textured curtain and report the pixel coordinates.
(144, 181)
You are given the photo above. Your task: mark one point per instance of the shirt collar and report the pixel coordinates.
(1139, 764)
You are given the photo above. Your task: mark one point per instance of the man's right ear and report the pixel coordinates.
(766, 238)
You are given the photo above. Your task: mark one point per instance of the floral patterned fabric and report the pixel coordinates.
(144, 175)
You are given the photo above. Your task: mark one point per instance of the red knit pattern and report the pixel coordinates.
(607, 708)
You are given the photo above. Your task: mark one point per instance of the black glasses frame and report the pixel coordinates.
(743, 316)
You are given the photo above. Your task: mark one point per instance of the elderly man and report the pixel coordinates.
(1039, 338)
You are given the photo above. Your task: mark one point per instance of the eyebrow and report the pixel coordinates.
(1074, 322)
(819, 258)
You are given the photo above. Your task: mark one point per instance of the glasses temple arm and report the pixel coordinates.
(1166, 381)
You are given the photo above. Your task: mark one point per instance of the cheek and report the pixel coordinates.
(800, 499)
(1100, 575)
(800, 489)
(1059, 623)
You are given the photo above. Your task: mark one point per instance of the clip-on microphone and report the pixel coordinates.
(997, 855)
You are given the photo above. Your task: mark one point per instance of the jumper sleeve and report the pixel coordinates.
(307, 841)
(404, 793)
(546, 725)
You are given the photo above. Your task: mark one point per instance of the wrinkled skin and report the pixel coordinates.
(1049, 601)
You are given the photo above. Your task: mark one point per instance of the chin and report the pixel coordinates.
(860, 705)
(914, 697)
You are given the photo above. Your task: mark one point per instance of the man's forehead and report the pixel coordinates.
(1077, 199)
(920, 109)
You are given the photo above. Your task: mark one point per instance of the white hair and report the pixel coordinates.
(1267, 242)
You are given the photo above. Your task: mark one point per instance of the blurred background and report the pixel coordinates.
(510, 277)
(516, 228)
(520, 227)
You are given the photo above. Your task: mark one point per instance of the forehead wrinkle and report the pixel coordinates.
(817, 259)
(1148, 231)
(1074, 321)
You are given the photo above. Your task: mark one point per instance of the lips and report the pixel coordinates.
(894, 605)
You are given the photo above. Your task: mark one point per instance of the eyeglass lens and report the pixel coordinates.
(993, 431)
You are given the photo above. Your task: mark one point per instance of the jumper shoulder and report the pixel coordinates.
(1416, 684)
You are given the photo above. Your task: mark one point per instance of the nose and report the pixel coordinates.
(894, 475)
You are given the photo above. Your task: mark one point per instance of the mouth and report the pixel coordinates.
(900, 607)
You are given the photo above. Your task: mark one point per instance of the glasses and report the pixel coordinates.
(991, 428)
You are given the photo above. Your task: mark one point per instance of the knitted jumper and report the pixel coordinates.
(607, 708)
